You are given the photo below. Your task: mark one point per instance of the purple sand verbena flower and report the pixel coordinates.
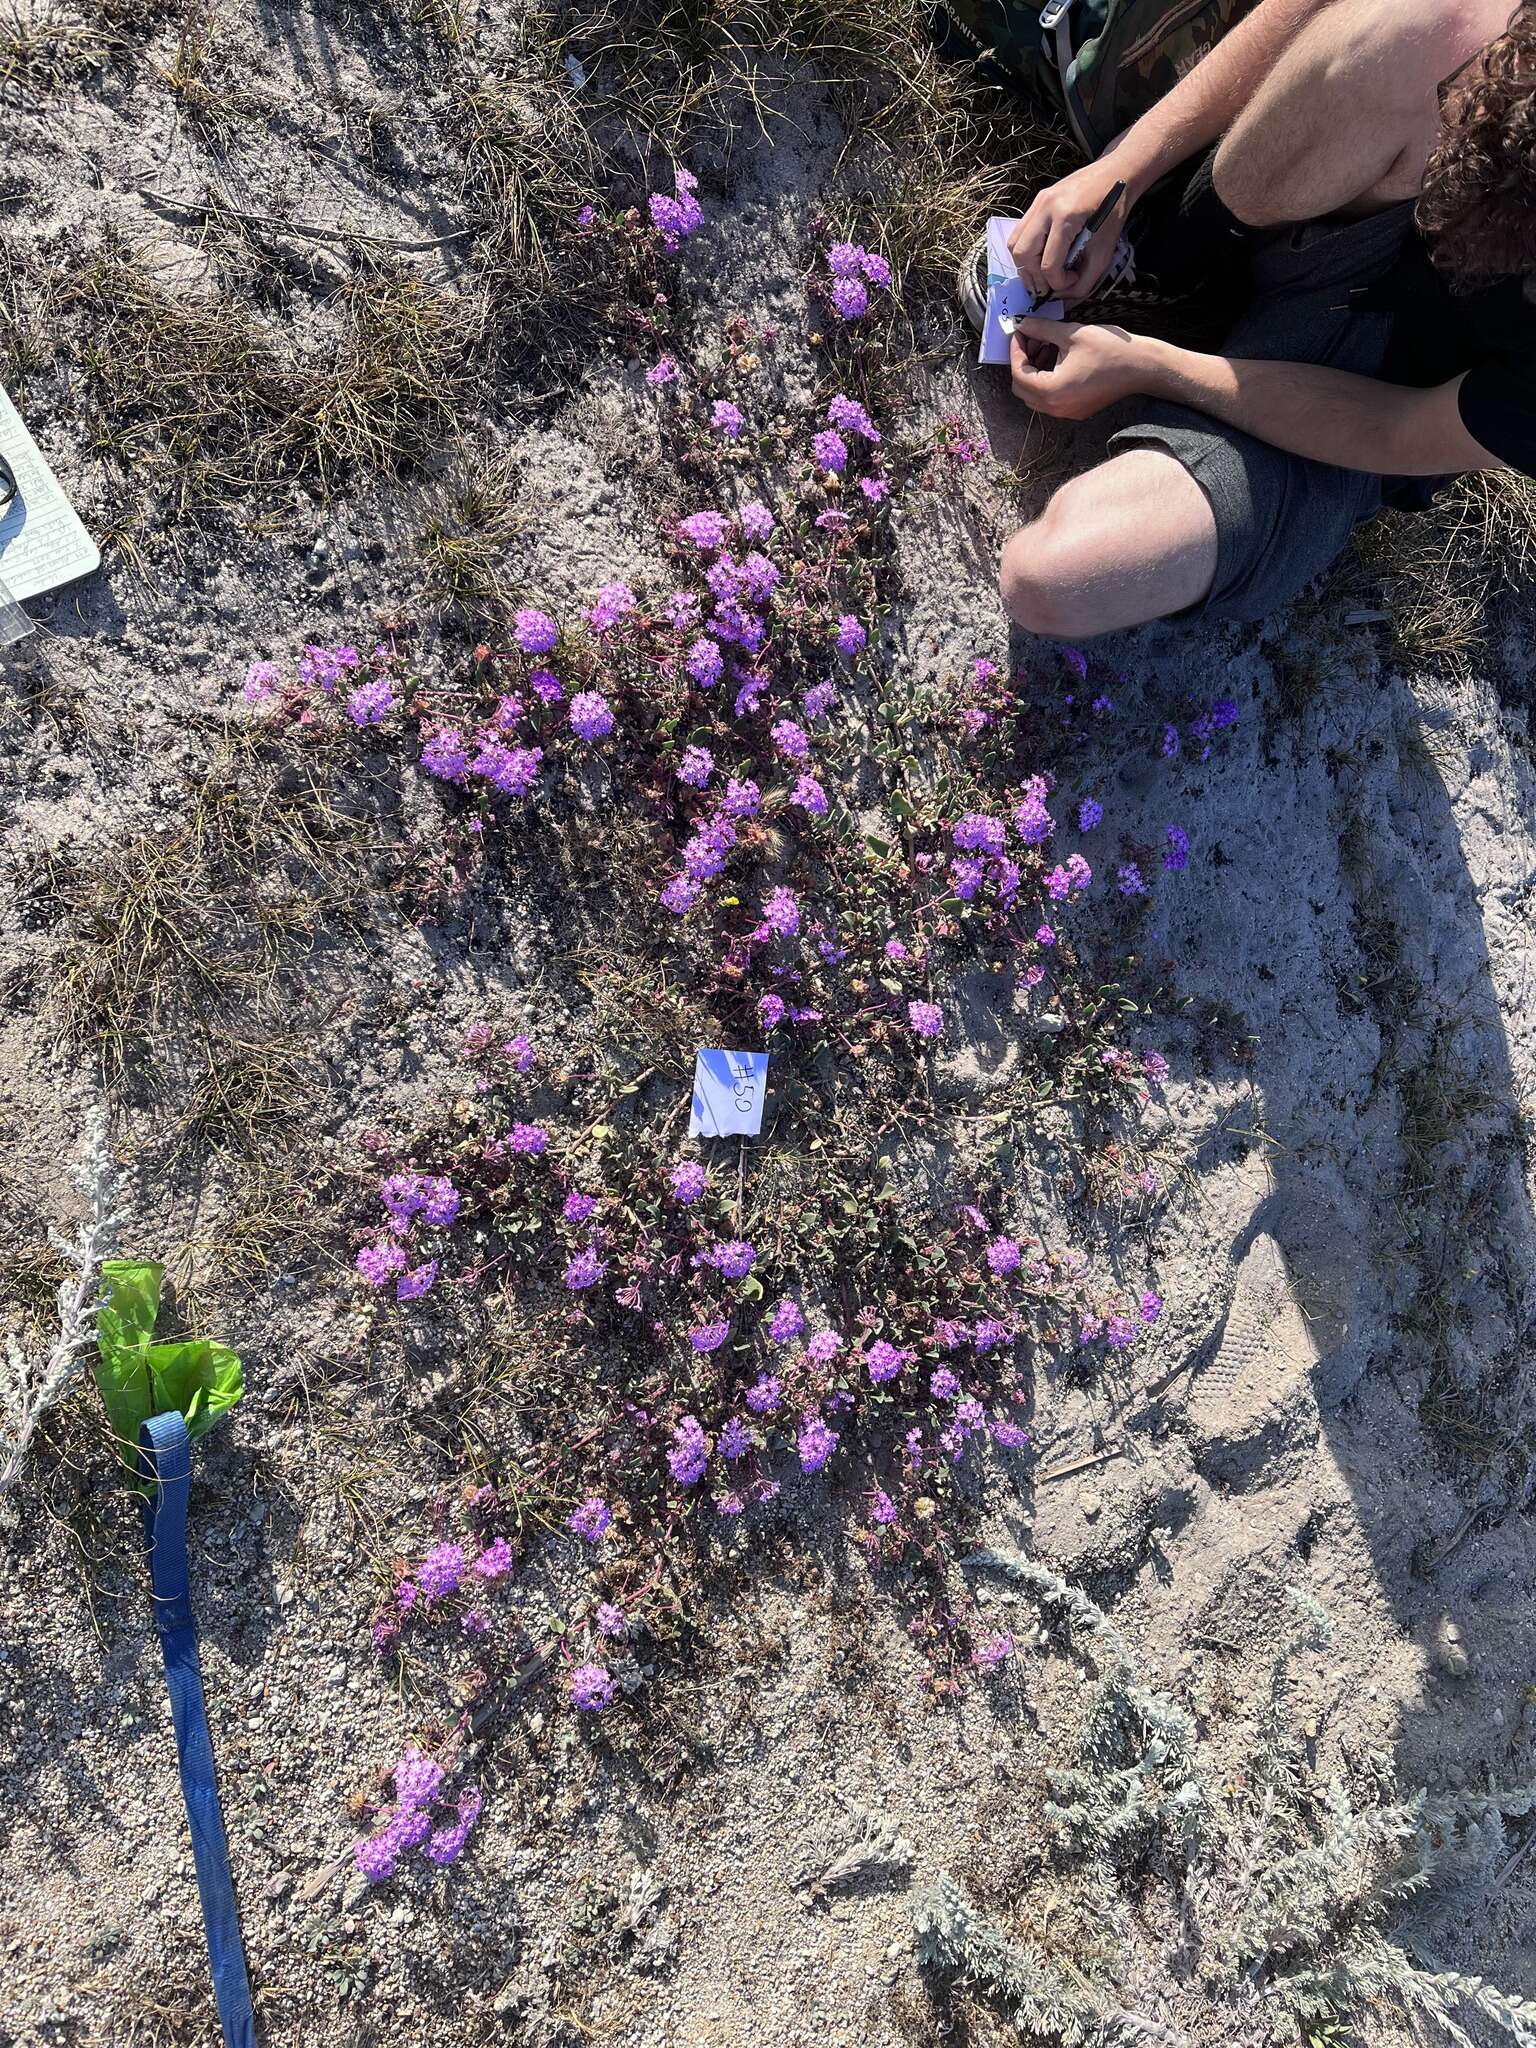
(851, 418)
(706, 530)
(495, 1561)
(926, 1019)
(676, 219)
(418, 1780)
(371, 702)
(687, 1181)
(696, 766)
(413, 1285)
(978, 833)
(379, 1263)
(440, 1570)
(591, 715)
(591, 1520)
(815, 1443)
(786, 1322)
(830, 451)
(883, 1361)
(781, 912)
(849, 299)
(689, 1453)
(705, 663)
(535, 631)
(445, 756)
(592, 1688)
(734, 1258)
(585, 1270)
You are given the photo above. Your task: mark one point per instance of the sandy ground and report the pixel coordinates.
(1336, 1395)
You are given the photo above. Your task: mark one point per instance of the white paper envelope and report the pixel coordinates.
(1006, 291)
(729, 1090)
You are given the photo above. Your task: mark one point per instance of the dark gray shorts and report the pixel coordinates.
(1280, 519)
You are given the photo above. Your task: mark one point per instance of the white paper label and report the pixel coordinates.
(729, 1090)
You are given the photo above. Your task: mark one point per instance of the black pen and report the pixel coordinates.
(1096, 220)
(1085, 235)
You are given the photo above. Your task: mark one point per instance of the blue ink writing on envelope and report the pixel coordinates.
(729, 1091)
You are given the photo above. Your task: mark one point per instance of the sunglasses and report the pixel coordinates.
(8, 485)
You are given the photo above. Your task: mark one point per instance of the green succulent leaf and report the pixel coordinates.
(139, 1378)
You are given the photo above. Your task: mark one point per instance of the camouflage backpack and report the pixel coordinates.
(1101, 62)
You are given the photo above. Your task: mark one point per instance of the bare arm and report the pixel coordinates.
(1200, 108)
(1328, 415)
(1333, 416)
(1205, 103)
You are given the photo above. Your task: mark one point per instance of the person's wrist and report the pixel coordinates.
(1135, 164)
(1155, 365)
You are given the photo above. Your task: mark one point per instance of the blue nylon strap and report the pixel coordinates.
(165, 1456)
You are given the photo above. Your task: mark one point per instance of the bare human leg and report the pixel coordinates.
(1343, 123)
(1134, 539)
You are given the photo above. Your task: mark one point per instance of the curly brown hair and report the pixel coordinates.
(1478, 209)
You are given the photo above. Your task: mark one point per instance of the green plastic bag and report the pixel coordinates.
(139, 1378)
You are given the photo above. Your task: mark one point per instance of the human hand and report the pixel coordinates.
(1042, 242)
(1070, 372)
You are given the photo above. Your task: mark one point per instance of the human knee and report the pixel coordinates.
(1041, 572)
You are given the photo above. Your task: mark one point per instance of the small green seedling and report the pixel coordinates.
(139, 1378)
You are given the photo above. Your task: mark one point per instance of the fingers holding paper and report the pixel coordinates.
(1070, 372)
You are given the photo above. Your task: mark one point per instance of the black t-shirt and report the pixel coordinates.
(1491, 334)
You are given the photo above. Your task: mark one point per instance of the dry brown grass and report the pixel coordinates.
(1441, 571)
(198, 397)
(176, 938)
(44, 46)
(470, 522)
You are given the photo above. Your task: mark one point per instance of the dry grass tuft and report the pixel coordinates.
(393, 390)
(176, 938)
(1442, 570)
(196, 393)
(43, 46)
(25, 313)
(470, 523)
(530, 158)
(199, 80)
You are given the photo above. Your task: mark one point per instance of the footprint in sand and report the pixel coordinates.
(1252, 1404)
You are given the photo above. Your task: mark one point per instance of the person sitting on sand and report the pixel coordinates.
(1368, 168)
